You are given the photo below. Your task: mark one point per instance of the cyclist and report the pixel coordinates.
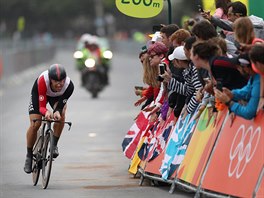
(53, 86)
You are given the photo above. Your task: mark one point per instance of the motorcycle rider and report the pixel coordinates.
(92, 50)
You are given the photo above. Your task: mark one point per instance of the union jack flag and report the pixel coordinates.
(134, 134)
(156, 139)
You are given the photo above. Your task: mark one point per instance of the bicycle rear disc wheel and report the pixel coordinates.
(36, 163)
(47, 159)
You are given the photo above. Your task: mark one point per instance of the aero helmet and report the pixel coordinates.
(57, 72)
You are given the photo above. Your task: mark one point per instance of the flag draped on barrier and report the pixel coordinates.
(200, 147)
(134, 134)
(177, 145)
(160, 139)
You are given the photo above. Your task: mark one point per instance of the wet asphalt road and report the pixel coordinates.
(91, 162)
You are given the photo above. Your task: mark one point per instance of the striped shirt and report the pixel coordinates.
(189, 88)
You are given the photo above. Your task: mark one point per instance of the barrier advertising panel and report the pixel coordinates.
(238, 158)
(200, 147)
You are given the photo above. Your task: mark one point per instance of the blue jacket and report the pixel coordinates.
(249, 93)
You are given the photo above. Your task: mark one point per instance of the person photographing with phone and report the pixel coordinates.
(156, 55)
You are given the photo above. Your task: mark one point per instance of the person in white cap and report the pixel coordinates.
(192, 83)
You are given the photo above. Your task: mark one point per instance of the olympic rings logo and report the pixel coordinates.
(243, 148)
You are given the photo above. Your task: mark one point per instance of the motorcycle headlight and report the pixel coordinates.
(78, 55)
(90, 62)
(108, 54)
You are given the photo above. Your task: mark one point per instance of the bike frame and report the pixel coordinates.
(42, 156)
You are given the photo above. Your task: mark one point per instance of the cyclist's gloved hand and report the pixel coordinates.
(48, 115)
(57, 115)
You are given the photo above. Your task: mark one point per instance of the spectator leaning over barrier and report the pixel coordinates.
(166, 32)
(244, 34)
(235, 10)
(175, 101)
(143, 56)
(178, 37)
(220, 68)
(206, 55)
(221, 9)
(222, 45)
(256, 55)
(149, 78)
(243, 102)
(192, 83)
(203, 30)
(157, 53)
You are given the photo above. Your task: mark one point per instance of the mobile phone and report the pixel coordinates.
(162, 68)
(200, 8)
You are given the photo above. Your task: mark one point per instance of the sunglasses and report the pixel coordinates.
(152, 56)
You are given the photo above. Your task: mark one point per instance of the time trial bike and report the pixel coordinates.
(43, 151)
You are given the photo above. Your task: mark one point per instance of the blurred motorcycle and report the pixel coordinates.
(94, 76)
(93, 62)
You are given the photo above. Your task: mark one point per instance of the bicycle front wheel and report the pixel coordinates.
(47, 158)
(37, 158)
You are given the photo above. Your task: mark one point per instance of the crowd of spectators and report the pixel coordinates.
(219, 60)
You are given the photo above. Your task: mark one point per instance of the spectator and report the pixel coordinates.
(222, 45)
(166, 31)
(221, 9)
(178, 37)
(244, 34)
(206, 55)
(243, 102)
(192, 83)
(256, 55)
(235, 10)
(156, 54)
(176, 101)
(149, 78)
(203, 30)
(143, 56)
